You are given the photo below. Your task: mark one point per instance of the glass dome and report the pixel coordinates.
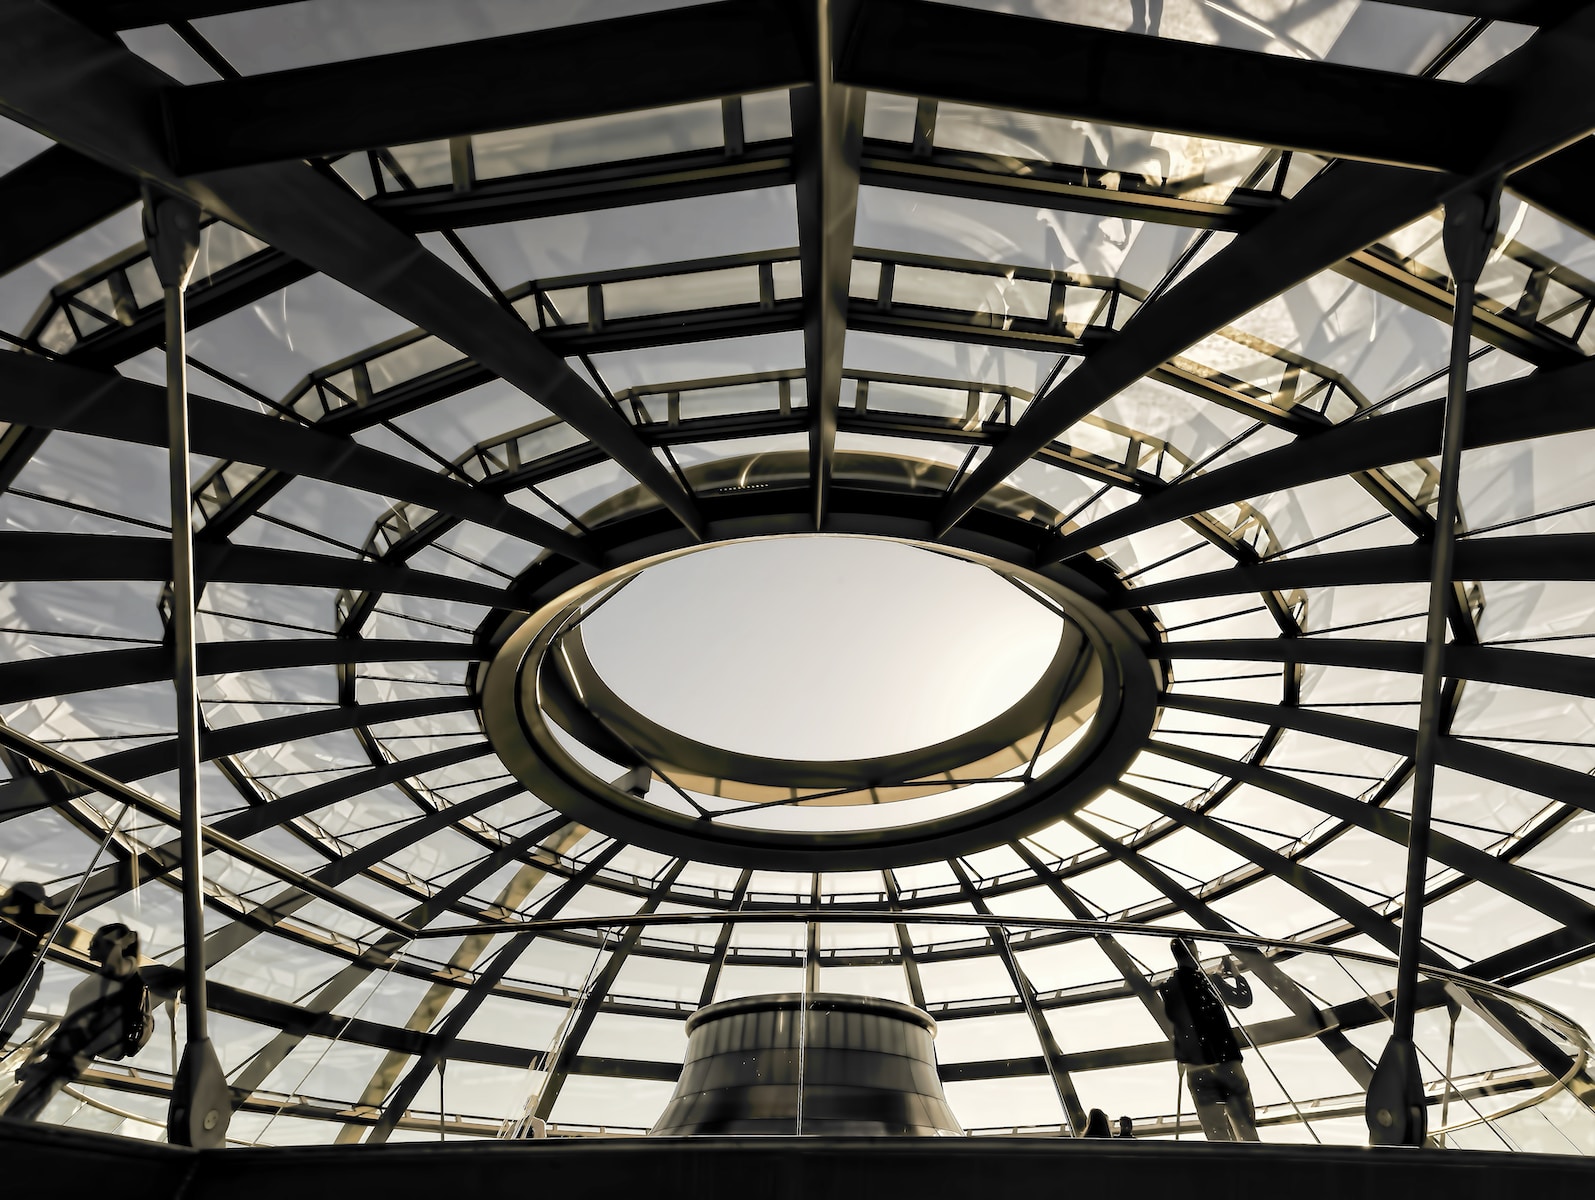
(753, 462)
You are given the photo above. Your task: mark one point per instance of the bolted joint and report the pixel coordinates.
(1397, 1107)
(1471, 218)
(202, 1104)
(171, 227)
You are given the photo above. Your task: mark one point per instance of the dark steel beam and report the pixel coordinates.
(1052, 1053)
(1121, 958)
(1290, 993)
(135, 14)
(1080, 72)
(29, 679)
(53, 197)
(722, 943)
(1546, 779)
(1539, 405)
(1547, 556)
(215, 837)
(1335, 215)
(110, 112)
(383, 953)
(1299, 875)
(1470, 861)
(159, 757)
(1560, 185)
(1567, 674)
(827, 133)
(503, 961)
(86, 556)
(651, 60)
(591, 1002)
(53, 395)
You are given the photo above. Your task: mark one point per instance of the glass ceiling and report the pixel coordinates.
(457, 366)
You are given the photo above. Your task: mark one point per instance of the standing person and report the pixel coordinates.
(26, 919)
(108, 1016)
(1205, 1048)
(1096, 1125)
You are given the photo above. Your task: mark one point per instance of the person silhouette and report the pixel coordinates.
(1206, 1050)
(1126, 1129)
(1096, 1124)
(26, 919)
(108, 1016)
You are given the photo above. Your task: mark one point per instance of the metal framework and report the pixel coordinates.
(1166, 453)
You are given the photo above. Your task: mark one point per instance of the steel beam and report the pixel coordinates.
(1336, 214)
(1544, 778)
(827, 133)
(1566, 674)
(650, 60)
(135, 14)
(1540, 405)
(1084, 73)
(110, 113)
(54, 395)
(53, 197)
(1052, 1054)
(1216, 926)
(1545, 557)
(592, 1000)
(1463, 857)
(505, 958)
(29, 679)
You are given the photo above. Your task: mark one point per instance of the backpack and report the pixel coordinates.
(138, 1015)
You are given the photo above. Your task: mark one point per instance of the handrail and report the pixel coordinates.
(98, 781)
(1091, 928)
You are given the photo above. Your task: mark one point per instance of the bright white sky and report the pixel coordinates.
(820, 647)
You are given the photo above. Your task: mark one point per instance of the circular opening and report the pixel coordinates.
(820, 648)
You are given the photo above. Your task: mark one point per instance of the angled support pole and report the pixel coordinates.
(1397, 1110)
(200, 1109)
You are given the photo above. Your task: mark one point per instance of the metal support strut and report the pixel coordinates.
(201, 1109)
(1397, 1109)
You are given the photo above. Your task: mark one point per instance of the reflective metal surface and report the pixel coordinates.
(821, 1064)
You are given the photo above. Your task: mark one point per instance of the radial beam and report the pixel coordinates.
(1062, 1081)
(24, 793)
(591, 1002)
(1544, 404)
(1544, 778)
(31, 678)
(827, 133)
(1214, 925)
(57, 396)
(506, 957)
(385, 952)
(650, 60)
(135, 14)
(54, 196)
(86, 556)
(1122, 960)
(1566, 674)
(70, 84)
(1560, 185)
(1549, 104)
(1079, 72)
(1468, 860)
(1541, 557)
